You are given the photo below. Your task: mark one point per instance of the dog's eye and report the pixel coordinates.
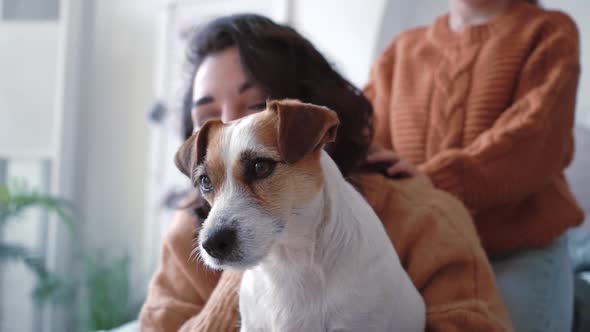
(205, 183)
(261, 168)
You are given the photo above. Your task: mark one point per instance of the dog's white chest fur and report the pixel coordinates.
(334, 270)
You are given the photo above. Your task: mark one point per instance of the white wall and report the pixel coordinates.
(27, 85)
(117, 90)
(352, 33)
(27, 79)
(344, 31)
(579, 10)
(400, 15)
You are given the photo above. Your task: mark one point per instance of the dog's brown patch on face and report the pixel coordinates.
(290, 184)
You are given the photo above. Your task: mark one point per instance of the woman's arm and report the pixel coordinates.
(531, 142)
(184, 295)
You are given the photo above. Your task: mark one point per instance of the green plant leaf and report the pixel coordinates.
(14, 201)
(47, 283)
(108, 291)
(97, 299)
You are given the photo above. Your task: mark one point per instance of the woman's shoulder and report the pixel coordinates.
(561, 24)
(417, 191)
(552, 17)
(545, 21)
(409, 204)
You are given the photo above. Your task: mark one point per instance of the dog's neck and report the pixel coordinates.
(315, 234)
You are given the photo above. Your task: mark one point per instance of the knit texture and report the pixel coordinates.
(431, 231)
(488, 114)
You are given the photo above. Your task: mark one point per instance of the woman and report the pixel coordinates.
(237, 63)
(483, 101)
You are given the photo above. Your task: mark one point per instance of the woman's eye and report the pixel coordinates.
(205, 183)
(258, 107)
(261, 168)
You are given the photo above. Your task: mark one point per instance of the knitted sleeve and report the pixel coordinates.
(220, 313)
(183, 294)
(531, 142)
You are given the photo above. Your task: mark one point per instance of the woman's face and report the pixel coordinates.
(222, 90)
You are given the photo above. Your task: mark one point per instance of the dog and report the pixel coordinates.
(315, 255)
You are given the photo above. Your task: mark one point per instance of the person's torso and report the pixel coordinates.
(465, 82)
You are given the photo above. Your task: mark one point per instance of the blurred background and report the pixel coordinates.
(89, 97)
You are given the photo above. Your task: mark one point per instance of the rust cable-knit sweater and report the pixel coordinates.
(488, 114)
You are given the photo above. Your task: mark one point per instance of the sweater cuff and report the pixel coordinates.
(445, 171)
(220, 313)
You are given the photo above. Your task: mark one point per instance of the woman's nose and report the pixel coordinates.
(231, 112)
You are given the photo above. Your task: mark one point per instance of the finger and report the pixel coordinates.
(379, 155)
(382, 156)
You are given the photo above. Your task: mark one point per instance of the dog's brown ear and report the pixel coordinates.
(192, 152)
(302, 128)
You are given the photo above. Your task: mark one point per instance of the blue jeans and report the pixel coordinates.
(537, 287)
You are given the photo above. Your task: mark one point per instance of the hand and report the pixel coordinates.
(396, 167)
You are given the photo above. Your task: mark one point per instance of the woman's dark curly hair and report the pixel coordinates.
(286, 65)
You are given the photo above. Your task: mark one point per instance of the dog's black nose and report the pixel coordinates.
(221, 243)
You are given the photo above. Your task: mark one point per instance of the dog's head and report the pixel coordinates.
(255, 172)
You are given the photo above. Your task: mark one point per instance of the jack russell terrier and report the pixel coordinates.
(315, 255)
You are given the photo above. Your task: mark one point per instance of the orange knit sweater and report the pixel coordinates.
(488, 113)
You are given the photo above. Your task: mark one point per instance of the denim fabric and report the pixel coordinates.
(537, 287)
